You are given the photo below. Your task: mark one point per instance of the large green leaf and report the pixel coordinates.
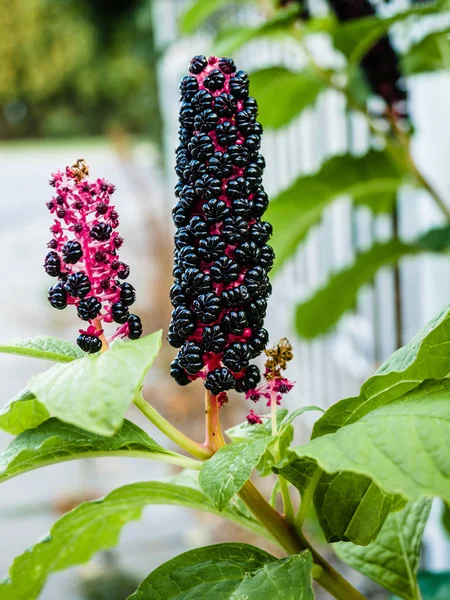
(427, 356)
(223, 475)
(200, 10)
(295, 92)
(431, 53)
(350, 507)
(53, 442)
(393, 558)
(95, 526)
(23, 412)
(372, 179)
(402, 446)
(233, 38)
(229, 572)
(320, 312)
(95, 392)
(43, 346)
(355, 38)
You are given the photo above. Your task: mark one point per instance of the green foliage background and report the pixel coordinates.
(69, 70)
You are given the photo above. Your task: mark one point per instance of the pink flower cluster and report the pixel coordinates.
(84, 256)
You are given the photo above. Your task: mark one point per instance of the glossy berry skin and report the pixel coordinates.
(57, 296)
(221, 253)
(89, 343)
(52, 264)
(127, 294)
(134, 327)
(119, 312)
(72, 252)
(89, 308)
(78, 285)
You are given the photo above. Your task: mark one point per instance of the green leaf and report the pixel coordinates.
(223, 475)
(316, 315)
(321, 311)
(401, 446)
(427, 356)
(95, 526)
(231, 39)
(229, 572)
(350, 507)
(430, 54)
(295, 92)
(392, 559)
(446, 518)
(371, 179)
(355, 38)
(22, 412)
(287, 420)
(45, 347)
(95, 392)
(200, 11)
(53, 442)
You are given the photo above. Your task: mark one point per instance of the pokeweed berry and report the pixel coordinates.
(221, 253)
(84, 257)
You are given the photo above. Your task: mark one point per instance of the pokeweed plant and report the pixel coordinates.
(368, 66)
(374, 461)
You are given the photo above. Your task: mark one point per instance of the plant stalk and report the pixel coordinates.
(198, 450)
(213, 433)
(294, 542)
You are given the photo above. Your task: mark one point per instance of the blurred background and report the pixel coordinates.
(354, 102)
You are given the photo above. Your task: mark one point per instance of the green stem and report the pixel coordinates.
(172, 458)
(284, 486)
(294, 542)
(194, 448)
(307, 498)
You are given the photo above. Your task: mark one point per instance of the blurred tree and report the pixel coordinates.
(73, 68)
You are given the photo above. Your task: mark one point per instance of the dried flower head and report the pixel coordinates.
(221, 253)
(276, 385)
(83, 256)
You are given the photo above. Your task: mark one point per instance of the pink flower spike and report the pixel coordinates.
(84, 257)
(253, 418)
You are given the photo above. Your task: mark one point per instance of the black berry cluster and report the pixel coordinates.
(221, 256)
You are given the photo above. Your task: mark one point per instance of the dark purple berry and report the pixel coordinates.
(236, 356)
(178, 373)
(194, 282)
(205, 121)
(190, 358)
(234, 230)
(239, 84)
(198, 227)
(224, 270)
(101, 232)
(89, 343)
(119, 312)
(72, 252)
(225, 105)
(198, 64)
(214, 81)
(235, 297)
(89, 308)
(215, 211)
(206, 307)
(208, 187)
(226, 65)
(237, 188)
(57, 296)
(214, 339)
(52, 264)
(220, 165)
(183, 321)
(134, 327)
(219, 380)
(235, 322)
(226, 134)
(239, 155)
(202, 100)
(260, 203)
(249, 380)
(177, 296)
(256, 311)
(211, 248)
(188, 87)
(127, 294)
(258, 342)
(260, 232)
(201, 147)
(78, 285)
